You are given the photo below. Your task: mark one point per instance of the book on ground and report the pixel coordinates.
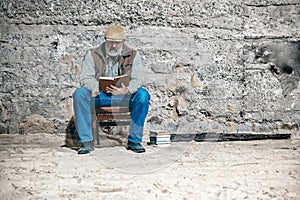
(159, 132)
(160, 137)
(115, 81)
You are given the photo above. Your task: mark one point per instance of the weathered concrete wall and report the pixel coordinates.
(223, 66)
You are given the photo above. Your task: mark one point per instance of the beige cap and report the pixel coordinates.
(115, 33)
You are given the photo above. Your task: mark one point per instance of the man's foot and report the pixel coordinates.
(135, 147)
(86, 147)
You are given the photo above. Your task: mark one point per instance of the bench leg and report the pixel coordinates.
(95, 129)
(95, 126)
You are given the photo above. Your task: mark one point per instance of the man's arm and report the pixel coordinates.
(137, 74)
(87, 75)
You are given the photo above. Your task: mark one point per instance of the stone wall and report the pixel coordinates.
(220, 66)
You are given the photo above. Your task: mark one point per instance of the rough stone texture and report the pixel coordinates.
(210, 65)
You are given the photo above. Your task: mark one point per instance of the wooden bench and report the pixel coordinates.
(109, 116)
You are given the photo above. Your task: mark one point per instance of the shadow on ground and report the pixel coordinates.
(109, 136)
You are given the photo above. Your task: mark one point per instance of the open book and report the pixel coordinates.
(115, 81)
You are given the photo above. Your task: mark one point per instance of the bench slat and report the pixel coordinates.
(116, 109)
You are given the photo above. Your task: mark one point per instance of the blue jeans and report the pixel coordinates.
(138, 102)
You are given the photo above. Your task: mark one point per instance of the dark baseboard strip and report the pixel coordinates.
(220, 137)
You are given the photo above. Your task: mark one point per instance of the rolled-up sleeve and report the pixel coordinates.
(137, 74)
(87, 75)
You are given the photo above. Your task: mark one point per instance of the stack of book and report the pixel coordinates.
(160, 138)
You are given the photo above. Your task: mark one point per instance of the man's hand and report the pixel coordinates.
(117, 90)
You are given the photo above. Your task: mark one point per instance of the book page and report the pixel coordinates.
(106, 78)
(115, 81)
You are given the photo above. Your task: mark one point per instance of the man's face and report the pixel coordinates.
(114, 48)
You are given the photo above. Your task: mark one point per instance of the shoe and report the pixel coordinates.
(86, 147)
(135, 147)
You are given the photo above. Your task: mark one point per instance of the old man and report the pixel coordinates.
(112, 58)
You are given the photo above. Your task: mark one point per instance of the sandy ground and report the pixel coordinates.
(31, 169)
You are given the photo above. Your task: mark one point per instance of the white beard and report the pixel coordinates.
(113, 52)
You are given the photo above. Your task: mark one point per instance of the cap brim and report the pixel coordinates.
(114, 40)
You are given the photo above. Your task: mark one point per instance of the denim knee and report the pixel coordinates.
(142, 95)
(81, 93)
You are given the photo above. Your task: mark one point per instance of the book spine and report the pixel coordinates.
(160, 132)
(161, 136)
(158, 143)
(154, 140)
